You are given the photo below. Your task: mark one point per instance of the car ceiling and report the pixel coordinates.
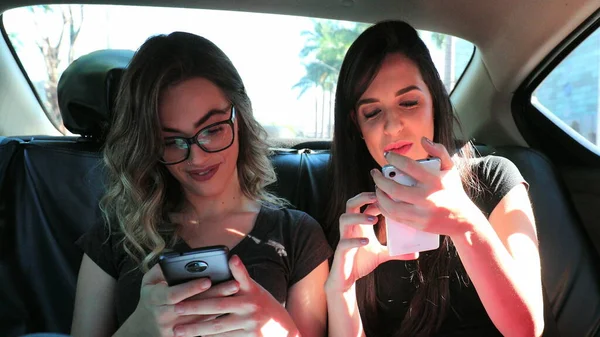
(512, 36)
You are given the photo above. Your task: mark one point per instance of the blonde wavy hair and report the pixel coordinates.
(140, 192)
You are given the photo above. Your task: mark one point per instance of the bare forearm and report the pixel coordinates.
(91, 328)
(343, 315)
(507, 292)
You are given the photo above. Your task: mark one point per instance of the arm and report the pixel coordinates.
(500, 255)
(502, 259)
(94, 308)
(306, 302)
(344, 316)
(357, 254)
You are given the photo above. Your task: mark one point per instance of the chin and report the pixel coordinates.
(214, 187)
(204, 191)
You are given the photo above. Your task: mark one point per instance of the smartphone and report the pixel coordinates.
(211, 262)
(401, 238)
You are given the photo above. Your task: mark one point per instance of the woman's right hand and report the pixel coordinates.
(358, 252)
(155, 313)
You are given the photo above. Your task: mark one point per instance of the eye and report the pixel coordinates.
(372, 113)
(409, 104)
(175, 143)
(213, 131)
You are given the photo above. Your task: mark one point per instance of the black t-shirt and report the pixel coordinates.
(283, 247)
(467, 315)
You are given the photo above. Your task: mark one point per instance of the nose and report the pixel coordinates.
(393, 122)
(197, 155)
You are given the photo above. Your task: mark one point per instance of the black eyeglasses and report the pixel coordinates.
(213, 138)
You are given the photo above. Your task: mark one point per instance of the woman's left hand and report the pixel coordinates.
(252, 311)
(436, 204)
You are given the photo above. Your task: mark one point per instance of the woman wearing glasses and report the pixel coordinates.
(187, 168)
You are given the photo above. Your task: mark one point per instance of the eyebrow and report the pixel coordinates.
(201, 121)
(398, 93)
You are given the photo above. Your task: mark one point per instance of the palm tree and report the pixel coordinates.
(325, 48)
(312, 79)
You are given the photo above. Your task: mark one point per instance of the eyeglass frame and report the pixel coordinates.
(194, 139)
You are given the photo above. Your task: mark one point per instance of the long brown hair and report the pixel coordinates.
(351, 162)
(141, 193)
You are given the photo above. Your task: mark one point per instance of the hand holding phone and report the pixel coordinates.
(401, 238)
(210, 262)
(251, 308)
(150, 317)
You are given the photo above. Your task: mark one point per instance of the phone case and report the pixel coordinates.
(211, 262)
(401, 238)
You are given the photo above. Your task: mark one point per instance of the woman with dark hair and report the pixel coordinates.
(187, 167)
(484, 279)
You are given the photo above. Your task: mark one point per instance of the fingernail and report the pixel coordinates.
(204, 284)
(364, 241)
(179, 310)
(373, 172)
(179, 332)
(232, 290)
(236, 260)
(371, 218)
(373, 196)
(385, 154)
(428, 141)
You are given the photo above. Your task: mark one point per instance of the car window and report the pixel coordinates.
(570, 94)
(289, 64)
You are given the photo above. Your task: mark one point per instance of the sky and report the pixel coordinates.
(263, 47)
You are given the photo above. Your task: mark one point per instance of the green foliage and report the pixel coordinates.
(438, 39)
(324, 52)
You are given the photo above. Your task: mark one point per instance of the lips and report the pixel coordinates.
(204, 174)
(400, 147)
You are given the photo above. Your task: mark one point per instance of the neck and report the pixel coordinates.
(231, 200)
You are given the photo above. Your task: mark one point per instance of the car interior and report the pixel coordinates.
(50, 183)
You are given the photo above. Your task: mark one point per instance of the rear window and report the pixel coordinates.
(289, 64)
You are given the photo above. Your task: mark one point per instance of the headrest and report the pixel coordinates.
(87, 90)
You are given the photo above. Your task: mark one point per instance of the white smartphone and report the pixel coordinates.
(401, 238)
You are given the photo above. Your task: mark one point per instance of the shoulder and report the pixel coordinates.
(102, 232)
(494, 171)
(103, 244)
(495, 176)
(491, 164)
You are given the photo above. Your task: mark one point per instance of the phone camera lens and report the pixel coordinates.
(196, 266)
(392, 174)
